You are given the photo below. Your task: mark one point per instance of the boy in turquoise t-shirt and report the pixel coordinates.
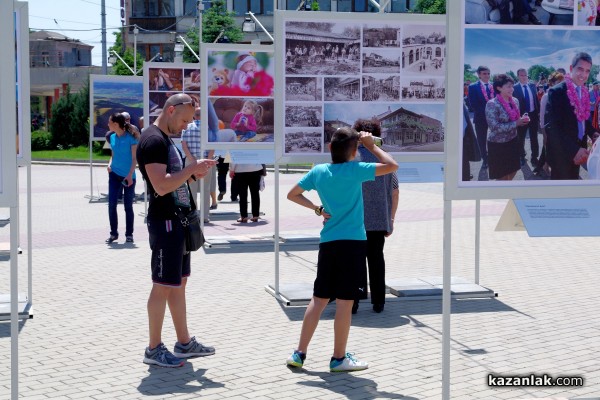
(341, 265)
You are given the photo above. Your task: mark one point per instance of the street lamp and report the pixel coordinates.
(257, 22)
(135, 33)
(248, 25)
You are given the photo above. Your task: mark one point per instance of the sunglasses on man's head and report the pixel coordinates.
(191, 102)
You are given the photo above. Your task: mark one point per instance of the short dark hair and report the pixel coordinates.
(368, 125)
(119, 119)
(482, 68)
(501, 80)
(343, 143)
(581, 56)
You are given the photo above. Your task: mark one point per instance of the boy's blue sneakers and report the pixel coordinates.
(348, 363)
(162, 357)
(296, 359)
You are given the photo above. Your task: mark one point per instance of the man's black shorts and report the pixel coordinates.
(170, 262)
(342, 270)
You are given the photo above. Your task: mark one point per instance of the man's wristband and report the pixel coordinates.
(194, 177)
(319, 210)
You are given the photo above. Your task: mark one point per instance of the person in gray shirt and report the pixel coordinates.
(380, 199)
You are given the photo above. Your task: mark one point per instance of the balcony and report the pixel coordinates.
(153, 23)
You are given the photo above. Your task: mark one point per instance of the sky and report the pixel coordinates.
(77, 19)
(505, 50)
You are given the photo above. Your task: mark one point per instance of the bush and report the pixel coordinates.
(41, 140)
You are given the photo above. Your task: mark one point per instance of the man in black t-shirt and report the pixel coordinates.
(161, 165)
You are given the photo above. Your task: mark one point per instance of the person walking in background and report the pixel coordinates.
(191, 145)
(161, 165)
(342, 249)
(503, 119)
(480, 93)
(121, 174)
(222, 169)
(247, 177)
(380, 200)
(134, 129)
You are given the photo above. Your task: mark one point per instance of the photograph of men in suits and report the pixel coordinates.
(480, 93)
(526, 93)
(567, 117)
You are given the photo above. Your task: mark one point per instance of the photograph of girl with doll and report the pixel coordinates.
(240, 73)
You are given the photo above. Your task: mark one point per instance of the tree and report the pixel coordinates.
(468, 74)
(431, 7)
(214, 20)
(535, 71)
(69, 124)
(118, 67)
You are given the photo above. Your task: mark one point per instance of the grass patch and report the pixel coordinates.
(81, 153)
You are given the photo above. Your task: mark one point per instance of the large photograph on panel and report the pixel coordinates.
(114, 94)
(530, 100)
(338, 72)
(240, 89)
(163, 80)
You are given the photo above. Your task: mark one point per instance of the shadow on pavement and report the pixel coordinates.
(5, 328)
(349, 385)
(178, 379)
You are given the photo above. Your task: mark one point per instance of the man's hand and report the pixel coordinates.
(203, 166)
(581, 156)
(366, 139)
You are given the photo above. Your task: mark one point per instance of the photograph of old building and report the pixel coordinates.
(381, 61)
(303, 88)
(404, 127)
(383, 36)
(342, 89)
(322, 48)
(417, 89)
(424, 50)
(303, 141)
(297, 115)
(381, 88)
(410, 131)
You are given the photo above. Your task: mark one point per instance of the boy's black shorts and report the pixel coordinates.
(342, 270)
(170, 262)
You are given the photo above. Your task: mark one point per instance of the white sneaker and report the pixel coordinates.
(349, 363)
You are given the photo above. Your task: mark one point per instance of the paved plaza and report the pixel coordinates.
(89, 330)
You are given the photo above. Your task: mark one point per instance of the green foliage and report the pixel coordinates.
(118, 67)
(468, 74)
(431, 7)
(535, 71)
(69, 124)
(214, 20)
(594, 74)
(314, 6)
(41, 140)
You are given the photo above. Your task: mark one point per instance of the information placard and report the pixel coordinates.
(560, 217)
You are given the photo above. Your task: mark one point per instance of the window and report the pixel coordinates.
(241, 7)
(354, 6)
(189, 7)
(153, 8)
(403, 5)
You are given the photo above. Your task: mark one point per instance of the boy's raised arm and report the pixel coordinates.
(386, 163)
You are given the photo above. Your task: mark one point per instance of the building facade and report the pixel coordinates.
(56, 62)
(161, 21)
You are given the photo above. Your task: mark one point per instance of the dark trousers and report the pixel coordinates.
(234, 188)
(376, 261)
(115, 189)
(222, 169)
(481, 128)
(245, 181)
(532, 126)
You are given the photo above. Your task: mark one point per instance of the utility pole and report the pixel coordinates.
(104, 53)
